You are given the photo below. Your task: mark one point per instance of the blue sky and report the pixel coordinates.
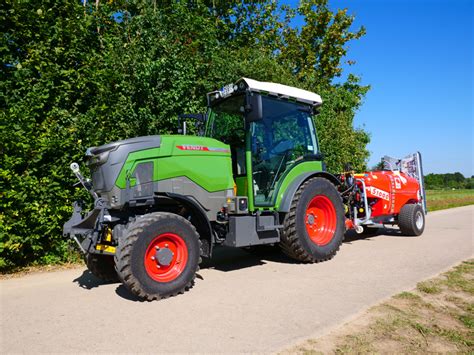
(418, 58)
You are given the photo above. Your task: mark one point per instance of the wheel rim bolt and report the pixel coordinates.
(166, 245)
(157, 247)
(152, 258)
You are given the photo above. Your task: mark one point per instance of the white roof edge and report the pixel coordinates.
(284, 90)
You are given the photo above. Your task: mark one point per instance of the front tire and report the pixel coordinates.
(411, 220)
(314, 227)
(158, 256)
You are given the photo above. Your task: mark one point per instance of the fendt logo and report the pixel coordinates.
(192, 147)
(201, 148)
(378, 193)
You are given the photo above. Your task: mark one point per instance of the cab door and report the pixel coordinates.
(280, 140)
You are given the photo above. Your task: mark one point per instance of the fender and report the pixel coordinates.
(291, 190)
(202, 223)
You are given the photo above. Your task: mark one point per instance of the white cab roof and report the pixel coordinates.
(283, 91)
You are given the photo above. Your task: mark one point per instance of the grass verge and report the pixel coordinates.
(27, 270)
(438, 316)
(442, 199)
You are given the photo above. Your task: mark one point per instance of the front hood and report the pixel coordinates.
(147, 140)
(106, 161)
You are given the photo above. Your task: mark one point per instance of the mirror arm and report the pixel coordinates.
(199, 117)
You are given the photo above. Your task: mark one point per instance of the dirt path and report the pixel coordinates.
(240, 303)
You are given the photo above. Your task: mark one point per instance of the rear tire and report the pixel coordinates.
(314, 227)
(158, 256)
(411, 220)
(102, 267)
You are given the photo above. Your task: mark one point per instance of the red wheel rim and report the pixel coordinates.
(166, 257)
(320, 220)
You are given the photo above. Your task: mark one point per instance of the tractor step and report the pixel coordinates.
(267, 226)
(243, 231)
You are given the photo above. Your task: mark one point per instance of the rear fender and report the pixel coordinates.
(291, 190)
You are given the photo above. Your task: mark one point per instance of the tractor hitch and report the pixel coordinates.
(86, 229)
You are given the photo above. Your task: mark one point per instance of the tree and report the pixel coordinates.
(314, 54)
(448, 181)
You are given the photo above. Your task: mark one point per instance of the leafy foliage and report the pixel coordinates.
(74, 76)
(448, 181)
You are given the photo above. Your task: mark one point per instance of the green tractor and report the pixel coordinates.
(253, 175)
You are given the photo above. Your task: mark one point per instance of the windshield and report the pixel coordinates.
(282, 138)
(227, 121)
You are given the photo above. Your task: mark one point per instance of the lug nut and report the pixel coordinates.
(157, 247)
(152, 258)
(166, 245)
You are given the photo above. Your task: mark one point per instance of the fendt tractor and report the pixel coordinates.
(253, 175)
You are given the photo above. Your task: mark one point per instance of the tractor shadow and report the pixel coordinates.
(231, 259)
(122, 291)
(88, 281)
(226, 259)
(351, 236)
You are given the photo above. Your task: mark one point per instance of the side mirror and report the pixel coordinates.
(253, 108)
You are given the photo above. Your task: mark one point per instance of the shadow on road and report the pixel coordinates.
(352, 236)
(122, 291)
(88, 281)
(228, 259)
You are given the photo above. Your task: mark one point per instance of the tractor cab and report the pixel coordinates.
(270, 130)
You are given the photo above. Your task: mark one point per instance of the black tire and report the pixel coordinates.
(295, 241)
(411, 220)
(102, 267)
(132, 248)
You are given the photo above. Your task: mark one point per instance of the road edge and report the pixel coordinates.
(329, 329)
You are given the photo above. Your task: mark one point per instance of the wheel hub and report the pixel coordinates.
(321, 220)
(164, 256)
(419, 220)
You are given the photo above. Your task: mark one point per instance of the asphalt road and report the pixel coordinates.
(240, 303)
